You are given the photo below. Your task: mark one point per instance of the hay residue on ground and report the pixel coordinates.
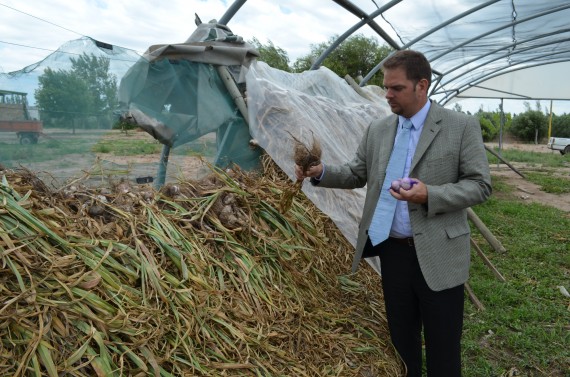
(200, 278)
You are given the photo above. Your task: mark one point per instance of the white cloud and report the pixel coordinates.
(134, 24)
(138, 24)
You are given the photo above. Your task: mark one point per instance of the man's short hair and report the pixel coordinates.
(414, 63)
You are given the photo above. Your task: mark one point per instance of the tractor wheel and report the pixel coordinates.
(27, 140)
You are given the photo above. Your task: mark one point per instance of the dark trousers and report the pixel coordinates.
(411, 305)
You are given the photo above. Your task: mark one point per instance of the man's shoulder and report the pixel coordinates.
(439, 111)
(384, 121)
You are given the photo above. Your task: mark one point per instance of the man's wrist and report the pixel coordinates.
(314, 180)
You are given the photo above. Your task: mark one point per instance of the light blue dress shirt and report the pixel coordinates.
(401, 227)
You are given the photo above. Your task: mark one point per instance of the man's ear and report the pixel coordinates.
(423, 85)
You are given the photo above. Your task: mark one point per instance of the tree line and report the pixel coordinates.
(532, 125)
(87, 94)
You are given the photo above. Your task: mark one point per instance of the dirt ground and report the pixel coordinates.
(192, 167)
(526, 190)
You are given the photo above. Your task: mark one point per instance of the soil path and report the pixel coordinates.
(526, 190)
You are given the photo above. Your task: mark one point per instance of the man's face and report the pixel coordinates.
(404, 97)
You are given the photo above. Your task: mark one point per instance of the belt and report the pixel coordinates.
(409, 241)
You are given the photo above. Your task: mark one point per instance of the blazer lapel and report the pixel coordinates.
(429, 132)
(386, 140)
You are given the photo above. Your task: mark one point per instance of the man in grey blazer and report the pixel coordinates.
(425, 261)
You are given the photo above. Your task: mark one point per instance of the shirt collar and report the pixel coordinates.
(419, 118)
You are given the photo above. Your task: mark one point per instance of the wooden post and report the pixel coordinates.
(505, 161)
(488, 262)
(474, 298)
(493, 241)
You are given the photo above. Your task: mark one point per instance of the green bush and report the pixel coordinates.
(124, 126)
(488, 129)
(560, 125)
(532, 125)
(491, 123)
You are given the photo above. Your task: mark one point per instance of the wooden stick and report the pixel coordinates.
(356, 87)
(493, 241)
(506, 162)
(488, 262)
(474, 298)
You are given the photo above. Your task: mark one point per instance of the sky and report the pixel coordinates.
(30, 30)
(44, 25)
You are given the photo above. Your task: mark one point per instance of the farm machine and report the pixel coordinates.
(15, 117)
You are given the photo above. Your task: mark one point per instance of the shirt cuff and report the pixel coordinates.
(315, 181)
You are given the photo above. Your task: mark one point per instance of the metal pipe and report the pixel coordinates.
(495, 58)
(162, 165)
(502, 71)
(429, 32)
(480, 36)
(232, 10)
(349, 6)
(369, 18)
(511, 45)
(233, 90)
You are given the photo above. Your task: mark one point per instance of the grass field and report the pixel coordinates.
(65, 155)
(524, 329)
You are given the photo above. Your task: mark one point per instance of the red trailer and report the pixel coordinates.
(15, 117)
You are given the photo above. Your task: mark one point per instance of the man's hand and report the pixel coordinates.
(313, 172)
(416, 194)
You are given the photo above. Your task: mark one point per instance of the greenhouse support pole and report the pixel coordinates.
(502, 121)
(234, 91)
(550, 121)
(162, 165)
(232, 10)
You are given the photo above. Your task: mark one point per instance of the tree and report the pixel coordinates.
(87, 91)
(274, 56)
(530, 125)
(356, 56)
(101, 83)
(61, 98)
(561, 125)
(491, 123)
(488, 129)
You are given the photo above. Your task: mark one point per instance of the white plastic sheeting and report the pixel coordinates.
(315, 104)
(530, 83)
(468, 42)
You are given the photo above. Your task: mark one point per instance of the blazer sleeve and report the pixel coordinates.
(351, 175)
(473, 184)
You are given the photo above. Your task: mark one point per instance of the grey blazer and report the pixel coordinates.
(450, 159)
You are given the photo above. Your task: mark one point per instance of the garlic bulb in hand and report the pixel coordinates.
(403, 183)
(395, 185)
